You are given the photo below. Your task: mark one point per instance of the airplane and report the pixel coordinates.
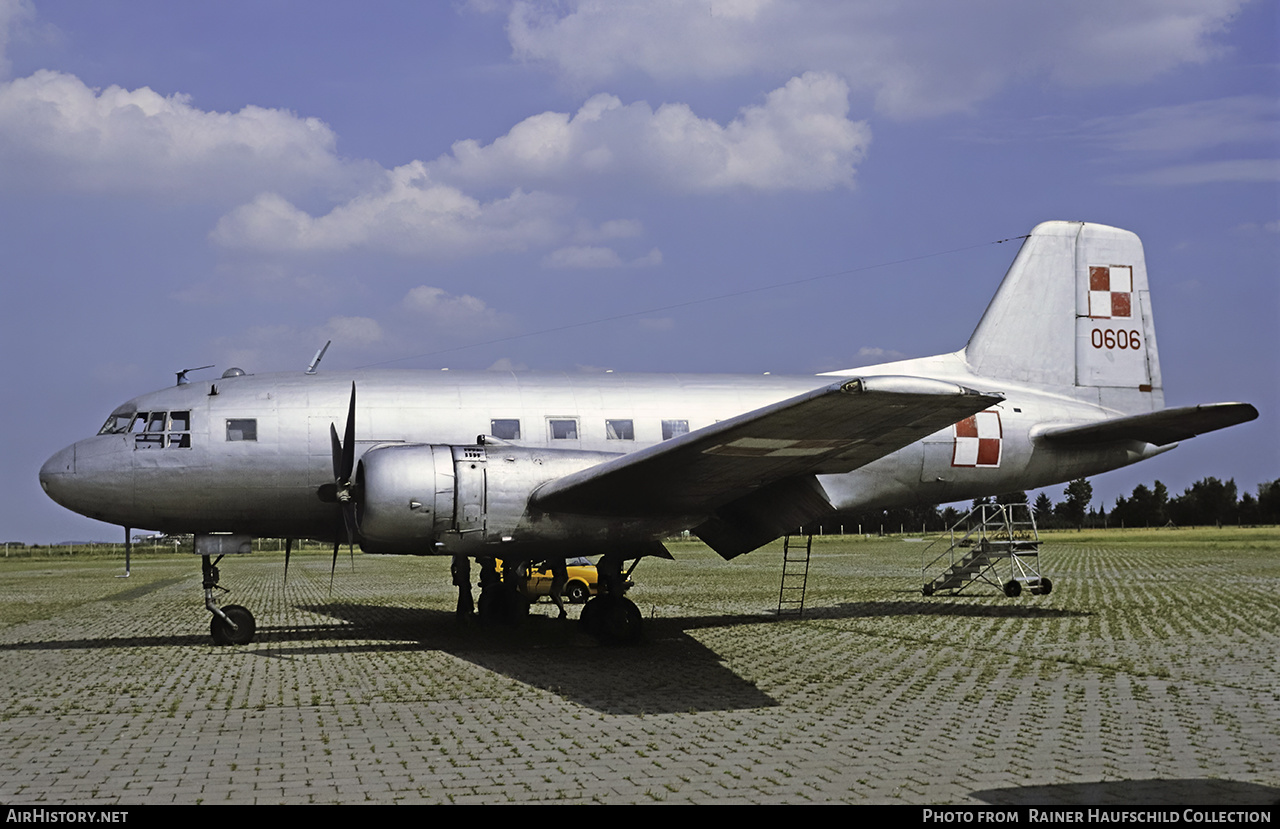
(1060, 380)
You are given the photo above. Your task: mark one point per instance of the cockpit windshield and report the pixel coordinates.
(151, 430)
(119, 421)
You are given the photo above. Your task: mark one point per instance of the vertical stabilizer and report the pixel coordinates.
(1073, 314)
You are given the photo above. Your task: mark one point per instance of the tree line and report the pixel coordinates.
(1207, 502)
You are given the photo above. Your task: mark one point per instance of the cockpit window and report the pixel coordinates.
(117, 423)
(151, 430)
(179, 430)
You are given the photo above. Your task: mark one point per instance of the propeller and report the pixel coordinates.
(344, 461)
(288, 548)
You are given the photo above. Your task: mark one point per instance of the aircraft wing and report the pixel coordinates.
(768, 455)
(1158, 428)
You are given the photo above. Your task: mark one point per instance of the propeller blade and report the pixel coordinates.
(337, 453)
(349, 520)
(336, 547)
(288, 548)
(349, 440)
(344, 461)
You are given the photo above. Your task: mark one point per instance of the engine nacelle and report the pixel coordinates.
(429, 498)
(405, 493)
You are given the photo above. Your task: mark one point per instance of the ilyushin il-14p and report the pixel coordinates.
(1061, 379)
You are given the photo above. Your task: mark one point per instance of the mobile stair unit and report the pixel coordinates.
(795, 574)
(996, 544)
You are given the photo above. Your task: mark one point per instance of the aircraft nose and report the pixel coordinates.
(56, 471)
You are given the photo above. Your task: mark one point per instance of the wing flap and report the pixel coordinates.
(836, 428)
(1159, 428)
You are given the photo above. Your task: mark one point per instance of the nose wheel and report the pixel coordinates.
(235, 627)
(230, 625)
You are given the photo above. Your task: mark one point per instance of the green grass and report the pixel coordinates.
(1155, 657)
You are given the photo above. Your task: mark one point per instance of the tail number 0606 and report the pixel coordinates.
(1106, 338)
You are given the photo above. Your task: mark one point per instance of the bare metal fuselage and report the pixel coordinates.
(273, 485)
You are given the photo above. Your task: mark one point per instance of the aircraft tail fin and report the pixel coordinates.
(1073, 314)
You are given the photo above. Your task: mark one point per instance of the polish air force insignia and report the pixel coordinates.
(1110, 291)
(978, 440)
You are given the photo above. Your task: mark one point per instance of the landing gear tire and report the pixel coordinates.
(613, 619)
(1013, 588)
(1046, 587)
(241, 634)
(499, 605)
(577, 593)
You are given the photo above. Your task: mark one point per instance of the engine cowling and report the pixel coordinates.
(405, 494)
(432, 498)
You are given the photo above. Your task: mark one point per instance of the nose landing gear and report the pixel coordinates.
(233, 624)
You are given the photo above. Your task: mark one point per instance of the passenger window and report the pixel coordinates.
(246, 429)
(505, 429)
(619, 430)
(564, 429)
(674, 428)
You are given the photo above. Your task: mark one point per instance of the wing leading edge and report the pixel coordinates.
(752, 477)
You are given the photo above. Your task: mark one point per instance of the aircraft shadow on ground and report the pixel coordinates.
(670, 671)
(1193, 792)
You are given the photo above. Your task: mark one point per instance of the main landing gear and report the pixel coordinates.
(611, 617)
(230, 625)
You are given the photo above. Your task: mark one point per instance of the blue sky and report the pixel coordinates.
(235, 183)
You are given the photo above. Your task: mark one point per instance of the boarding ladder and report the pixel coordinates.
(996, 544)
(795, 574)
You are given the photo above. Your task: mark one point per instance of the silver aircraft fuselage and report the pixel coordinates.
(188, 463)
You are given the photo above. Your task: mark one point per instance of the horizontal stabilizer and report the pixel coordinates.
(1158, 428)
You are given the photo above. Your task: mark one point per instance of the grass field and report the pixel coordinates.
(1149, 675)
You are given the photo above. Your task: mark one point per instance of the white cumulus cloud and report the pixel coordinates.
(409, 213)
(434, 302)
(54, 128)
(916, 57)
(12, 14)
(799, 138)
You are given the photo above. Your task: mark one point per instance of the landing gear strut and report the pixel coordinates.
(230, 625)
(500, 599)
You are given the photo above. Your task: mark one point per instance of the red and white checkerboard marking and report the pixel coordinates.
(1110, 291)
(978, 440)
